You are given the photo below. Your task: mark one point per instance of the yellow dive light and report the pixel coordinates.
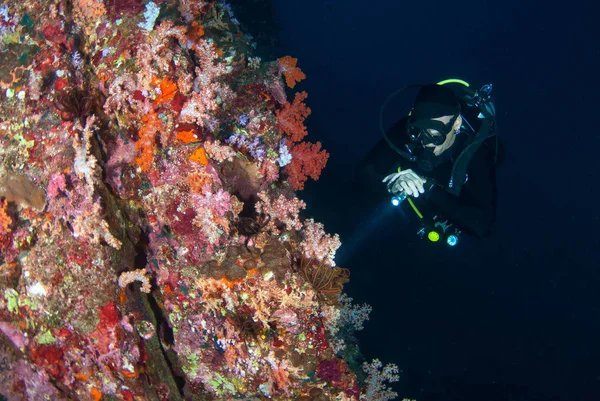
(433, 236)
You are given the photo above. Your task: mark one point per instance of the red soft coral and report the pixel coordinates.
(290, 119)
(308, 160)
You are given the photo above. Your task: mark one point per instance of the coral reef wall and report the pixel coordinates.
(152, 245)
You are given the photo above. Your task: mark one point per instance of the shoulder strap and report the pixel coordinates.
(459, 170)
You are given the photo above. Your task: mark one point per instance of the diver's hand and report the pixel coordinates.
(407, 181)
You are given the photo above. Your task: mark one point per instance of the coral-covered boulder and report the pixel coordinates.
(151, 240)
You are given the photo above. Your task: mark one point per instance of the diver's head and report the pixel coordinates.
(437, 137)
(434, 119)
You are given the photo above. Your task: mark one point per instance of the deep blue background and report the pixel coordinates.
(513, 317)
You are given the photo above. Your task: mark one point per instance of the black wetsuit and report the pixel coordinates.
(473, 211)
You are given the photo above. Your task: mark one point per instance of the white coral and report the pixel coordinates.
(151, 14)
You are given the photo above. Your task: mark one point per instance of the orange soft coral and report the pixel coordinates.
(198, 180)
(292, 73)
(168, 89)
(5, 220)
(88, 13)
(187, 136)
(199, 156)
(151, 123)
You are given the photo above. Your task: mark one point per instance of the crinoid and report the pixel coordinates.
(248, 329)
(75, 103)
(327, 281)
(251, 226)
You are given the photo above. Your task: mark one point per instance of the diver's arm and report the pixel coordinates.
(374, 167)
(378, 163)
(475, 210)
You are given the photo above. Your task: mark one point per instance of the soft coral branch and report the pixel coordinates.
(290, 119)
(292, 73)
(5, 220)
(308, 160)
(151, 124)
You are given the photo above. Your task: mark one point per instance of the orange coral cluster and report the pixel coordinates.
(197, 181)
(168, 89)
(88, 12)
(199, 156)
(5, 220)
(145, 145)
(196, 31)
(292, 73)
(187, 136)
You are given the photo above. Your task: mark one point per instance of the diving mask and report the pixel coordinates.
(420, 131)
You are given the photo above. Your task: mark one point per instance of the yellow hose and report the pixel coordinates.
(410, 201)
(453, 81)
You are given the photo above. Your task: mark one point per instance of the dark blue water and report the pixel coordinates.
(513, 317)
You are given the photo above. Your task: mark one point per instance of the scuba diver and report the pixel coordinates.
(442, 159)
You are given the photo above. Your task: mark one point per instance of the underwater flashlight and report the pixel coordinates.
(452, 240)
(398, 199)
(435, 234)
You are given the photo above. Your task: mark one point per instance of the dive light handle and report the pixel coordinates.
(399, 198)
